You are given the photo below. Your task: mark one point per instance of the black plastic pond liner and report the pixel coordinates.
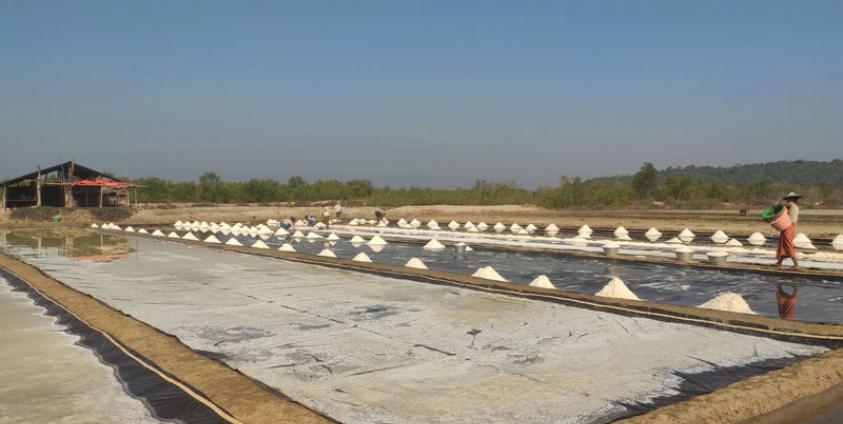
(702, 383)
(166, 401)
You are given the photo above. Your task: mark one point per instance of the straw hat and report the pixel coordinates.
(792, 195)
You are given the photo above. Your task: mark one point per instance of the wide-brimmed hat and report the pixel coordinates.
(792, 195)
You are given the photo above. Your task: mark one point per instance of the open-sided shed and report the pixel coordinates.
(66, 185)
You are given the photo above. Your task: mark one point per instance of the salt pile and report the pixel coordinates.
(468, 225)
(453, 225)
(432, 224)
(734, 243)
(377, 240)
(515, 228)
(353, 222)
(757, 239)
(264, 231)
(235, 231)
(551, 230)
(730, 302)
(377, 248)
(717, 256)
(415, 263)
(158, 233)
(332, 237)
(687, 236)
(212, 239)
(482, 226)
(837, 243)
(434, 245)
(361, 257)
(616, 289)
(467, 247)
(178, 224)
(522, 232)
(585, 231)
(402, 223)
(281, 233)
(260, 245)
(674, 240)
(542, 282)
(499, 227)
(215, 228)
(253, 232)
(719, 237)
(298, 235)
(621, 233)
(265, 237)
(115, 227)
(653, 234)
(488, 273)
(328, 253)
(173, 234)
(129, 229)
(190, 236)
(313, 236)
(357, 240)
(415, 223)
(473, 230)
(530, 228)
(233, 242)
(803, 242)
(94, 225)
(286, 247)
(143, 231)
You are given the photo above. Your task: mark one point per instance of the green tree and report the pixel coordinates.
(645, 180)
(210, 187)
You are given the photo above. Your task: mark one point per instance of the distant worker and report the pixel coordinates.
(786, 302)
(311, 220)
(326, 216)
(287, 223)
(786, 247)
(380, 214)
(338, 210)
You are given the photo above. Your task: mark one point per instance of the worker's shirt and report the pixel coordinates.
(793, 211)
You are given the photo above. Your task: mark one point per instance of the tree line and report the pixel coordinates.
(646, 186)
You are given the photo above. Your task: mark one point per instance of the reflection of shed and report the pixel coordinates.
(65, 185)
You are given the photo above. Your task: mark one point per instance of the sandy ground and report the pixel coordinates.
(364, 348)
(815, 223)
(47, 379)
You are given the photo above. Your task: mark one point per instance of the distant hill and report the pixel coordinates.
(797, 172)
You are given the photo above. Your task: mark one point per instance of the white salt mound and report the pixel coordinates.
(143, 231)
(531, 228)
(616, 289)
(482, 226)
(551, 228)
(453, 225)
(233, 242)
(734, 243)
(473, 230)
(686, 235)
(415, 263)
(377, 240)
(653, 234)
(522, 232)
(328, 253)
(173, 234)
(543, 282)
(499, 227)
(260, 245)
(433, 245)
(488, 273)
(361, 257)
(358, 239)
(514, 228)
(298, 235)
(158, 233)
(282, 233)
(730, 302)
(377, 248)
(333, 237)
(286, 247)
(621, 231)
(212, 239)
(190, 236)
(837, 243)
(468, 225)
(94, 225)
(674, 241)
(719, 237)
(756, 239)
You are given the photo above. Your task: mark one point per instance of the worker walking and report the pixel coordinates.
(786, 248)
(326, 216)
(338, 210)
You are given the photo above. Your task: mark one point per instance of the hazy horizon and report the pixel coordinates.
(437, 94)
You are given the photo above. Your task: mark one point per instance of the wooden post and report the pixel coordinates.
(3, 201)
(38, 188)
(100, 196)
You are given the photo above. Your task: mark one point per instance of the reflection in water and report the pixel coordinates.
(70, 243)
(786, 302)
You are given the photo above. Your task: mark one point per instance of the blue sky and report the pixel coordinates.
(426, 93)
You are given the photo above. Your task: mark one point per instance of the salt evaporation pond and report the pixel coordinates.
(817, 301)
(367, 348)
